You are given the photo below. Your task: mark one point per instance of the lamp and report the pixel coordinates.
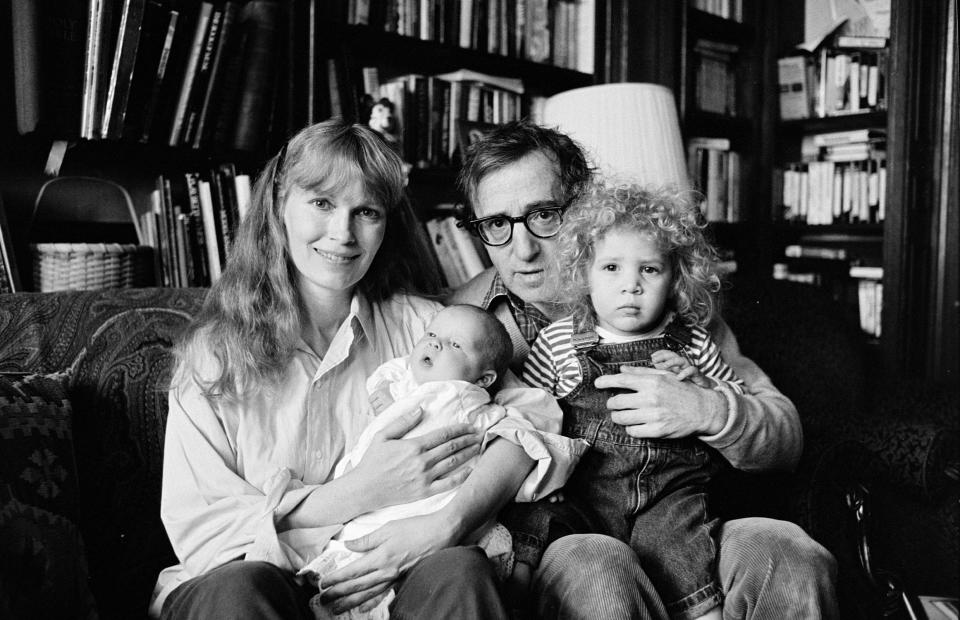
(629, 130)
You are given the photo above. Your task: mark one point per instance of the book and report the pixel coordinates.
(442, 244)
(63, 44)
(214, 259)
(793, 73)
(201, 80)
(153, 112)
(187, 78)
(242, 182)
(866, 272)
(466, 252)
(197, 238)
(26, 34)
(847, 137)
(176, 65)
(226, 45)
(860, 42)
(537, 34)
(261, 20)
(150, 76)
(124, 62)
(808, 251)
(94, 55)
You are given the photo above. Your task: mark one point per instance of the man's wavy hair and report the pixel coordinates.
(675, 222)
(251, 319)
(509, 143)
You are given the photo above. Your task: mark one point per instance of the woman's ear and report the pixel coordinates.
(487, 379)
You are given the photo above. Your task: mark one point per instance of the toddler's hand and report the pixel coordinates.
(380, 398)
(677, 364)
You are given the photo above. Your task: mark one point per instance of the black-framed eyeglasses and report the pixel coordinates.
(497, 230)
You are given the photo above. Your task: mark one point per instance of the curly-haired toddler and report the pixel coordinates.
(642, 284)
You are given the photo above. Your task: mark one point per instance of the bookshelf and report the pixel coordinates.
(721, 97)
(829, 189)
(904, 244)
(218, 101)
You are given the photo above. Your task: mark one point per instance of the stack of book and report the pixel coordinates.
(460, 255)
(841, 178)
(176, 72)
(558, 33)
(716, 172)
(846, 75)
(192, 223)
(436, 112)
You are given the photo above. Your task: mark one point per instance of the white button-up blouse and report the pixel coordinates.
(232, 471)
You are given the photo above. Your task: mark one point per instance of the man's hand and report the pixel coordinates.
(389, 552)
(664, 359)
(658, 405)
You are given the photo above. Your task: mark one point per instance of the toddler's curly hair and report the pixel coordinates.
(674, 220)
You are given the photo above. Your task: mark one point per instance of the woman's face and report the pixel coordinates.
(333, 236)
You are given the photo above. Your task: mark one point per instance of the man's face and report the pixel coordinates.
(527, 264)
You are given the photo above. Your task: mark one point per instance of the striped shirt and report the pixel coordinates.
(553, 365)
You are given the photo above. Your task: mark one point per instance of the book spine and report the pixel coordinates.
(186, 84)
(96, 10)
(226, 45)
(254, 104)
(200, 273)
(202, 80)
(62, 60)
(153, 101)
(209, 230)
(121, 74)
(25, 20)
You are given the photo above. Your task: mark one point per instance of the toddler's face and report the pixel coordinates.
(630, 282)
(449, 349)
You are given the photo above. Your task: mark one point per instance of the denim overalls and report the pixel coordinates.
(650, 493)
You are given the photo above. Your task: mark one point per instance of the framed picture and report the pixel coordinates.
(9, 279)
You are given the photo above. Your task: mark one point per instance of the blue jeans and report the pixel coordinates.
(767, 569)
(650, 493)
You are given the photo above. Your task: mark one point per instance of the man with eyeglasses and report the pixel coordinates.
(517, 181)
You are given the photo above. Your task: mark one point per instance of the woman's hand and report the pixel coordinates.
(397, 471)
(388, 553)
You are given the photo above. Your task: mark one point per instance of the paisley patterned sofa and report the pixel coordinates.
(82, 412)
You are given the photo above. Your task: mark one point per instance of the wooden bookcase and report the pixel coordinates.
(722, 95)
(917, 243)
(315, 44)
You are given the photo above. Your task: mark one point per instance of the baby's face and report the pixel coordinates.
(449, 349)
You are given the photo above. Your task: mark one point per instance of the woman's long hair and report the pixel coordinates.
(252, 317)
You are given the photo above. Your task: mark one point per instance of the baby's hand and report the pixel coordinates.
(680, 366)
(381, 398)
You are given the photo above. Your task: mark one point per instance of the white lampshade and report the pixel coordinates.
(629, 130)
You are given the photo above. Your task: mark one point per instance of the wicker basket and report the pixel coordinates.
(86, 266)
(82, 266)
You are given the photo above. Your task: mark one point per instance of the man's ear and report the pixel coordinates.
(487, 378)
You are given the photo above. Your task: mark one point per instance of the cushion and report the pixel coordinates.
(43, 570)
(119, 388)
